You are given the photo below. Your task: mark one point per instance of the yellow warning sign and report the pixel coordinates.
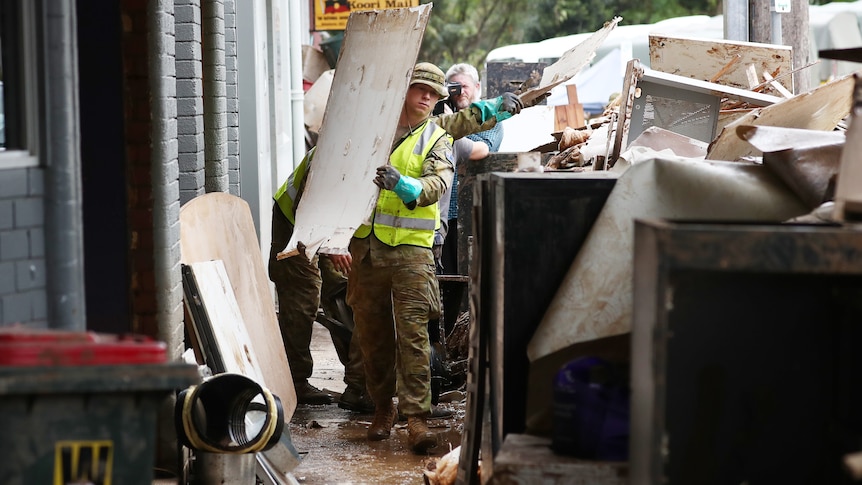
(89, 462)
(332, 14)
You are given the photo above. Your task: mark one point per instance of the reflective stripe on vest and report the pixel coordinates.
(286, 194)
(394, 224)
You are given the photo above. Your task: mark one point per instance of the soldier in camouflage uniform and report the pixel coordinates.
(298, 285)
(392, 288)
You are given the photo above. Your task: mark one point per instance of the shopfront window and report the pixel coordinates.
(18, 86)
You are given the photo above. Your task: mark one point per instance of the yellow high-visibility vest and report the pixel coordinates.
(394, 224)
(286, 194)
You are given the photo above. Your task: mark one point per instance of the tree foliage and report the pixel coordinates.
(466, 30)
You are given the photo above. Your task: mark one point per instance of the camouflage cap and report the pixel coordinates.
(430, 75)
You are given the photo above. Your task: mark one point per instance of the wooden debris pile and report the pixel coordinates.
(700, 90)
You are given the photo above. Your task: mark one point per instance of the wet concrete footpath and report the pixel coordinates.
(332, 440)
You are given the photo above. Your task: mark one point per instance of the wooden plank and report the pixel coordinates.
(777, 85)
(819, 109)
(339, 194)
(228, 328)
(233, 344)
(571, 115)
(219, 226)
(572, 94)
(634, 70)
(703, 58)
(571, 62)
(848, 193)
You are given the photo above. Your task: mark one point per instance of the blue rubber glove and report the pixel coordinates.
(502, 107)
(406, 188)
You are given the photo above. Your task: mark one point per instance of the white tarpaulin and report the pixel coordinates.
(595, 298)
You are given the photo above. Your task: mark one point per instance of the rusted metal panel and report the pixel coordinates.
(537, 224)
(358, 127)
(741, 353)
(501, 77)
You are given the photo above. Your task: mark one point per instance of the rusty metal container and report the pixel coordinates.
(91, 419)
(745, 360)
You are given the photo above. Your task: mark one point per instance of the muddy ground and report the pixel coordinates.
(332, 440)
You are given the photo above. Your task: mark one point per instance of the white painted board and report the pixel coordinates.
(571, 62)
(237, 350)
(218, 225)
(368, 91)
(703, 59)
(225, 319)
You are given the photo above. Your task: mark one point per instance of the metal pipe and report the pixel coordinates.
(64, 231)
(736, 20)
(218, 468)
(165, 176)
(297, 93)
(215, 97)
(776, 28)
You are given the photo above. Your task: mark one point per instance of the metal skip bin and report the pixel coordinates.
(81, 407)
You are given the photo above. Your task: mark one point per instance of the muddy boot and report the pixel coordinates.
(419, 437)
(356, 400)
(308, 394)
(384, 419)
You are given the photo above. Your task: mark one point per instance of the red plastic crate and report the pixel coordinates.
(61, 348)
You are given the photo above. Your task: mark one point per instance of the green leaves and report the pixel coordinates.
(466, 30)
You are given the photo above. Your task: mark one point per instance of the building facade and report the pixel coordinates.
(115, 113)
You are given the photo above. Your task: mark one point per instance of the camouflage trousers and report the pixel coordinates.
(391, 307)
(299, 285)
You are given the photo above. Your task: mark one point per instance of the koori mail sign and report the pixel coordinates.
(332, 14)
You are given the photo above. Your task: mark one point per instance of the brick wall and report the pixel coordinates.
(22, 248)
(232, 96)
(190, 120)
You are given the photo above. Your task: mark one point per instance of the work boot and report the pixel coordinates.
(308, 394)
(384, 419)
(354, 399)
(419, 437)
(437, 412)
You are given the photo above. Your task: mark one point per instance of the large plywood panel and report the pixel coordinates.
(719, 61)
(819, 109)
(219, 226)
(368, 91)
